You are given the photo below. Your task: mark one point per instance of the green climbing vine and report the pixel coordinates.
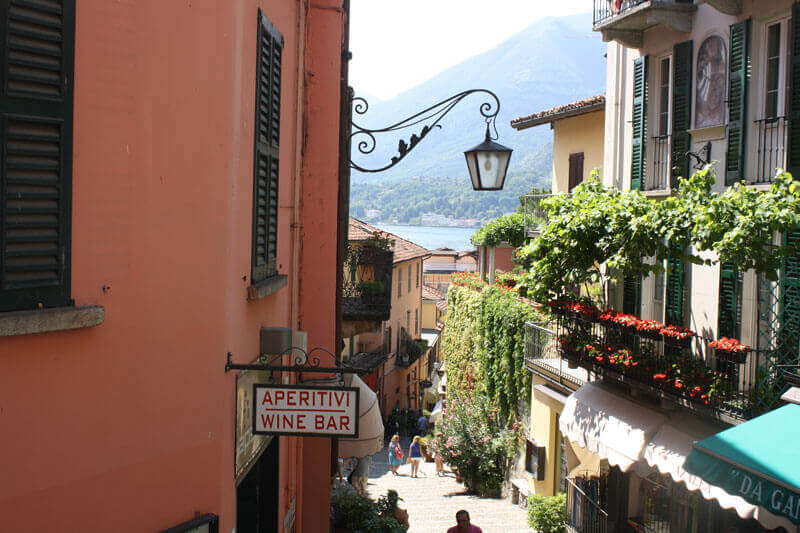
(509, 228)
(484, 345)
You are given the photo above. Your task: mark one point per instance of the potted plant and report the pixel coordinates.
(677, 336)
(547, 514)
(388, 508)
(730, 350)
(371, 289)
(649, 329)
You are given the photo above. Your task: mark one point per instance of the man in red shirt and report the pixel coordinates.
(462, 517)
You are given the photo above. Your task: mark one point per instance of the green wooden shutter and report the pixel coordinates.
(37, 44)
(789, 315)
(639, 117)
(676, 275)
(267, 141)
(632, 295)
(793, 151)
(730, 301)
(737, 100)
(681, 111)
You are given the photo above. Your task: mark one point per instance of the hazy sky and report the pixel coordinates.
(397, 45)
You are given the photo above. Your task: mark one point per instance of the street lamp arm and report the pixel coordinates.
(365, 138)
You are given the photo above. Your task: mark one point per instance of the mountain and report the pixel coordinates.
(555, 61)
(405, 201)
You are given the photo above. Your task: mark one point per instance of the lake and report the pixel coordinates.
(432, 237)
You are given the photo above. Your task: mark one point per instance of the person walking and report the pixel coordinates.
(463, 524)
(415, 454)
(422, 424)
(395, 454)
(361, 474)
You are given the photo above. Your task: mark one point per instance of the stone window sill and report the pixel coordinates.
(54, 319)
(267, 287)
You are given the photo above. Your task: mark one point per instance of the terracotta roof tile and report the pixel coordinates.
(403, 249)
(587, 105)
(432, 293)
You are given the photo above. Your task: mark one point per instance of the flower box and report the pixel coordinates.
(650, 329)
(677, 336)
(733, 356)
(730, 350)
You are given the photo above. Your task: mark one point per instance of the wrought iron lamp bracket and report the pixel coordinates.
(365, 138)
(304, 361)
(703, 160)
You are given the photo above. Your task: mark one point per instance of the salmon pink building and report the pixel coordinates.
(171, 182)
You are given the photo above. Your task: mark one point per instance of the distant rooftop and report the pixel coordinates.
(587, 105)
(403, 249)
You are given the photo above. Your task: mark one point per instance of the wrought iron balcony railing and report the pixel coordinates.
(584, 515)
(542, 356)
(606, 9)
(687, 372)
(771, 143)
(658, 179)
(367, 287)
(626, 20)
(535, 215)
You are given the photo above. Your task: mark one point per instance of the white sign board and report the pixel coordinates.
(305, 410)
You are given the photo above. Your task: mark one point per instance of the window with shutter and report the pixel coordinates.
(399, 282)
(681, 111)
(36, 106)
(793, 151)
(676, 305)
(789, 316)
(267, 141)
(632, 295)
(730, 301)
(639, 120)
(737, 100)
(575, 170)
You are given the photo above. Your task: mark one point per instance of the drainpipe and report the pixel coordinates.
(345, 121)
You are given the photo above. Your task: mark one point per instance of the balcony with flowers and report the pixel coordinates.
(597, 236)
(716, 377)
(367, 284)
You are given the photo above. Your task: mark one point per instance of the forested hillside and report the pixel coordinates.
(405, 201)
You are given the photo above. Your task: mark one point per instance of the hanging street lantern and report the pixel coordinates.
(487, 163)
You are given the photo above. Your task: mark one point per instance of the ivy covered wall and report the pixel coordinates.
(484, 344)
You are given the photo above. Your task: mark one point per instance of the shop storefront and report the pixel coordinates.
(626, 463)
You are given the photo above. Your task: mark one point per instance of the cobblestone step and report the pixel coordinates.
(432, 501)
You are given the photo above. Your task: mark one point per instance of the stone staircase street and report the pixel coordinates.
(432, 501)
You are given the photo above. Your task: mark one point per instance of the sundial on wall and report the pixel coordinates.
(711, 82)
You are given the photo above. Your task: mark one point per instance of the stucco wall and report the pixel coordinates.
(407, 301)
(581, 133)
(544, 432)
(129, 426)
(658, 43)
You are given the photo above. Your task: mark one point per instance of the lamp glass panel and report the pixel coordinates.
(472, 165)
(492, 165)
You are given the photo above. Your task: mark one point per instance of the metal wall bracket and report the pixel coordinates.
(303, 362)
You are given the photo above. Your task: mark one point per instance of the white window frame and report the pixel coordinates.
(783, 72)
(659, 85)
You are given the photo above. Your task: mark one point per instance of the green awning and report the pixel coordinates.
(758, 460)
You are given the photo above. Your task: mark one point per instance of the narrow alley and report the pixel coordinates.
(432, 501)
